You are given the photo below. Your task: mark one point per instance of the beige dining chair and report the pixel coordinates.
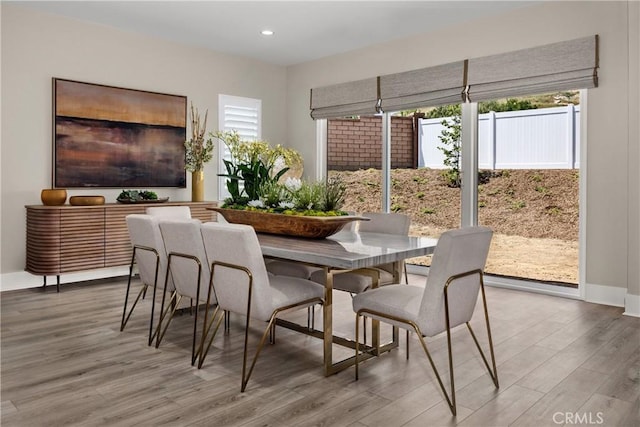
(187, 265)
(379, 222)
(242, 285)
(169, 211)
(150, 258)
(355, 283)
(447, 300)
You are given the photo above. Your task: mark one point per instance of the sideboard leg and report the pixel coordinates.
(58, 283)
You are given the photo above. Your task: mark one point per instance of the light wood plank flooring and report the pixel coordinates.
(65, 363)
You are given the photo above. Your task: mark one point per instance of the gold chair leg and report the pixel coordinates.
(174, 300)
(202, 351)
(357, 342)
(142, 293)
(245, 377)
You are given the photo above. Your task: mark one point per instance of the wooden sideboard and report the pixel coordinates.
(65, 239)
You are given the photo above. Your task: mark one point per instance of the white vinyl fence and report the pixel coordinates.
(546, 138)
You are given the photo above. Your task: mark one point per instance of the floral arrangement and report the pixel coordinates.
(198, 149)
(256, 181)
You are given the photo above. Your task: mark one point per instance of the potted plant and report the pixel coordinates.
(261, 195)
(198, 152)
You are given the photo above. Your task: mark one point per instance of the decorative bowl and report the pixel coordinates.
(53, 196)
(86, 200)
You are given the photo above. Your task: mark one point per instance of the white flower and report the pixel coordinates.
(256, 204)
(286, 205)
(278, 165)
(293, 184)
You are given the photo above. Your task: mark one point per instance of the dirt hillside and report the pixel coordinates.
(533, 213)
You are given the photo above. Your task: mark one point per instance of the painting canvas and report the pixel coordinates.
(117, 138)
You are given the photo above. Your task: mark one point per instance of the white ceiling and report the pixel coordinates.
(304, 30)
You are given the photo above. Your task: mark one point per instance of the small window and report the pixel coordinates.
(243, 115)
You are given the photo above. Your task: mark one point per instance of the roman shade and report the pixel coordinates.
(345, 99)
(554, 67)
(425, 87)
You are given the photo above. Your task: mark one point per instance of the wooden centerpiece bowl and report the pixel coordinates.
(312, 227)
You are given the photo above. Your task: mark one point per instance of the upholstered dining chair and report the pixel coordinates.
(355, 283)
(447, 300)
(151, 260)
(169, 211)
(187, 265)
(384, 223)
(242, 285)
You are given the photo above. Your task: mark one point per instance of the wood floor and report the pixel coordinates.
(65, 363)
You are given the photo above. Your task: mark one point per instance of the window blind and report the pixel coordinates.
(439, 85)
(345, 99)
(242, 115)
(559, 66)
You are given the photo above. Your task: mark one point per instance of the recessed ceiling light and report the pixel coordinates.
(266, 32)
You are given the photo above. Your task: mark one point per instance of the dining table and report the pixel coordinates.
(346, 251)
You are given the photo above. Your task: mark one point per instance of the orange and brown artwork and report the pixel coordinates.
(113, 137)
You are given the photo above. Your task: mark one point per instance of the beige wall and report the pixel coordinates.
(38, 46)
(612, 190)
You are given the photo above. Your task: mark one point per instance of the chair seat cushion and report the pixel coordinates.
(352, 282)
(293, 269)
(401, 301)
(288, 290)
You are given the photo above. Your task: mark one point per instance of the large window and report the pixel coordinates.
(243, 115)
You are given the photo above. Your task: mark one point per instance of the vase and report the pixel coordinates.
(53, 196)
(197, 186)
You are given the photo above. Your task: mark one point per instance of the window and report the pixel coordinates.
(243, 115)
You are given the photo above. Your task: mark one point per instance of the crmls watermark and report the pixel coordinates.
(578, 418)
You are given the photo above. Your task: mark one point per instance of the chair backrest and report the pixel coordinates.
(458, 251)
(238, 244)
(387, 223)
(144, 231)
(178, 212)
(183, 237)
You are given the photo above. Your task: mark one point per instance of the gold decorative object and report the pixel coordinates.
(197, 186)
(86, 200)
(53, 196)
(314, 227)
(198, 152)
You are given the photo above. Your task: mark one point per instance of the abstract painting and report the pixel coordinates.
(113, 137)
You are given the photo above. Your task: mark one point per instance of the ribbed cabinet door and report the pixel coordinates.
(82, 238)
(117, 242)
(43, 241)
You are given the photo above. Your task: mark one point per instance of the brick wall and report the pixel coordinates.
(356, 143)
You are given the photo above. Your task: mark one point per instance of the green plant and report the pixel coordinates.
(542, 190)
(253, 164)
(553, 210)
(137, 195)
(536, 178)
(420, 180)
(308, 197)
(518, 204)
(420, 195)
(198, 151)
(482, 204)
(333, 193)
(450, 137)
(428, 211)
(396, 208)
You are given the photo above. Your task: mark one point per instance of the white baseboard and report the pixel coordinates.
(607, 295)
(24, 280)
(632, 305)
